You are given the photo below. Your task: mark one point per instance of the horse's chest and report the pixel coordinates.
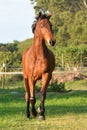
(41, 64)
(40, 67)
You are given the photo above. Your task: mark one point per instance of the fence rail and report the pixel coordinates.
(4, 76)
(57, 70)
(10, 73)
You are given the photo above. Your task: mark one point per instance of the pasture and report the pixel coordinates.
(64, 111)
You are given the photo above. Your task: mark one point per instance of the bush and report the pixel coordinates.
(55, 87)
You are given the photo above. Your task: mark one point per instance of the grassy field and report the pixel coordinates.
(64, 111)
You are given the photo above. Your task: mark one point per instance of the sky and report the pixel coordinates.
(16, 19)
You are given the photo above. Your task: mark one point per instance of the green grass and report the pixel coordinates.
(64, 111)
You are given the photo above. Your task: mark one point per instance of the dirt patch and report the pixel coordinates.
(61, 78)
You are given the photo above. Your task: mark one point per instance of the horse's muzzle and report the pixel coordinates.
(52, 42)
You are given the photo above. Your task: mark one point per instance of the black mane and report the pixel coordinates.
(33, 26)
(42, 16)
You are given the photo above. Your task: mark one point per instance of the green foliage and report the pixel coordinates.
(24, 45)
(12, 47)
(55, 87)
(5, 56)
(73, 55)
(11, 53)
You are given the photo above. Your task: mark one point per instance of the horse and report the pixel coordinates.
(38, 63)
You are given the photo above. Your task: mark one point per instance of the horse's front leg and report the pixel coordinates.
(32, 96)
(28, 105)
(45, 81)
(27, 96)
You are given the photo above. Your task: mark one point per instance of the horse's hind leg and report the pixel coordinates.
(27, 96)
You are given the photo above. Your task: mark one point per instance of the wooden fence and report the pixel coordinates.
(57, 71)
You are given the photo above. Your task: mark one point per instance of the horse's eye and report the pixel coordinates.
(42, 25)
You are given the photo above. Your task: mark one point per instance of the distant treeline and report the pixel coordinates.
(11, 54)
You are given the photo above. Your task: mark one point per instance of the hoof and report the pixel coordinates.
(34, 113)
(28, 115)
(42, 118)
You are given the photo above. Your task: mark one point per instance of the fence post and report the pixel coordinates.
(3, 76)
(62, 60)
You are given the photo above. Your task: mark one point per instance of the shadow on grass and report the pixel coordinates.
(63, 109)
(51, 110)
(67, 95)
(74, 102)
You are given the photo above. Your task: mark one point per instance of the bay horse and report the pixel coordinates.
(38, 63)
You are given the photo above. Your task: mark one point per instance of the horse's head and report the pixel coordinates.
(43, 28)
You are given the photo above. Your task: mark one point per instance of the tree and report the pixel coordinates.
(12, 47)
(6, 57)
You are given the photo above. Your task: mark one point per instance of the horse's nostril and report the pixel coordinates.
(52, 42)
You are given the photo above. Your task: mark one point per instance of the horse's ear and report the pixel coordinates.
(40, 14)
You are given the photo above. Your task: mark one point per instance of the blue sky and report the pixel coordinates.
(16, 18)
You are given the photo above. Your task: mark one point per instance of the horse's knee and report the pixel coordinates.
(33, 100)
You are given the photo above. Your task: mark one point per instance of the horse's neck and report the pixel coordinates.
(40, 48)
